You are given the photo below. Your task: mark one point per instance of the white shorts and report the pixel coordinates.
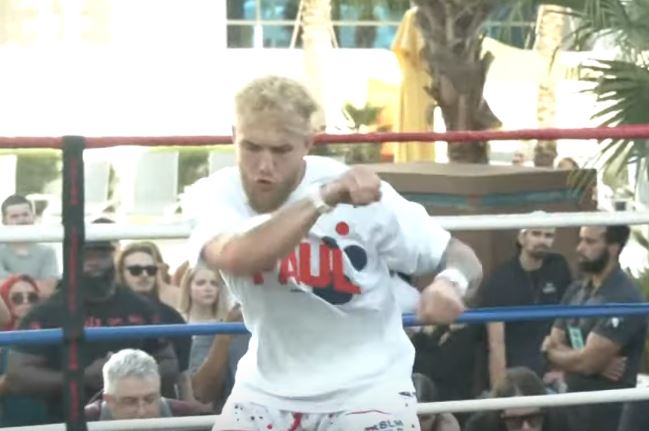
(398, 415)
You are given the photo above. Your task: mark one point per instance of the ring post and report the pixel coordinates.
(73, 240)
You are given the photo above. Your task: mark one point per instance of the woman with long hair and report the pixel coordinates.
(204, 299)
(19, 293)
(168, 292)
(203, 296)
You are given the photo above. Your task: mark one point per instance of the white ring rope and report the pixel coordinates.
(557, 400)
(54, 233)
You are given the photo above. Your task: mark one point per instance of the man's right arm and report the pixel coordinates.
(259, 248)
(497, 356)
(558, 336)
(493, 293)
(29, 374)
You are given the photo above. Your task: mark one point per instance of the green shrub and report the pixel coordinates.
(34, 170)
(193, 164)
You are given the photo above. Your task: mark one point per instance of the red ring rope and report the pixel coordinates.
(639, 131)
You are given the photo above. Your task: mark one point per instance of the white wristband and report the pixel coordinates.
(315, 196)
(456, 277)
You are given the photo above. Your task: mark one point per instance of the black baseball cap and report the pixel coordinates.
(102, 244)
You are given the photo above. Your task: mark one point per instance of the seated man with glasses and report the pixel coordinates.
(132, 391)
(517, 382)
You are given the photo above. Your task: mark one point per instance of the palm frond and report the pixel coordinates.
(622, 22)
(622, 89)
(642, 240)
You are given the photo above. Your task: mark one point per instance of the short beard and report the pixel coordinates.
(595, 266)
(270, 201)
(538, 254)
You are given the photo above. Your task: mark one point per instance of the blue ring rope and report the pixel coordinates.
(482, 315)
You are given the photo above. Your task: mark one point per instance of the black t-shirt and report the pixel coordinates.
(450, 356)
(124, 308)
(627, 331)
(510, 286)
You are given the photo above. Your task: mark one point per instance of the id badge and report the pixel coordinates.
(576, 339)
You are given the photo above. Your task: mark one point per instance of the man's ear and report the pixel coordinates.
(110, 400)
(521, 237)
(234, 134)
(614, 249)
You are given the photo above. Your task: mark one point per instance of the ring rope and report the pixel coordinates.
(182, 230)
(74, 228)
(481, 315)
(634, 131)
(555, 400)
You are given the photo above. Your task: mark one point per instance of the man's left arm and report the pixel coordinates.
(442, 301)
(461, 258)
(593, 359)
(414, 244)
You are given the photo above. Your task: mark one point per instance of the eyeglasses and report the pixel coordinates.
(533, 420)
(137, 270)
(20, 298)
(136, 402)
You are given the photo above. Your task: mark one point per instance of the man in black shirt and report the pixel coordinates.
(37, 370)
(587, 349)
(534, 277)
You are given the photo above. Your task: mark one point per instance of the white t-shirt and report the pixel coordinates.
(326, 326)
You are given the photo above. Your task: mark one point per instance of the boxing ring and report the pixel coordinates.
(73, 233)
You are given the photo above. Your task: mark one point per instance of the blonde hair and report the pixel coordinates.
(220, 308)
(277, 95)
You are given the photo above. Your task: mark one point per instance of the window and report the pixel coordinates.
(357, 23)
(270, 23)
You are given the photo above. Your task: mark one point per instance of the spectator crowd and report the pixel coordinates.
(130, 284)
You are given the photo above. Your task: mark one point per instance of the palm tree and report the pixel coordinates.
(550, 26)
(453, 32)
(317, 40)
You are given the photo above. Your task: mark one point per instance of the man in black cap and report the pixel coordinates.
(37, 370)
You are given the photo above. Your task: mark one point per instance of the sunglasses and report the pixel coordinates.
(137, 270)
(534, 420)
(19, 298)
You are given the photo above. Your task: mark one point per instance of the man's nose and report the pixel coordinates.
(142, 411)
(266, 163)
(526, 426)
(91, 265)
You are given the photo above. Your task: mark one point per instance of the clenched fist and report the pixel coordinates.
(440, 303)
(358, 186)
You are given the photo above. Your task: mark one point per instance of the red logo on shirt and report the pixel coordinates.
(297, 267)
(329, 281)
